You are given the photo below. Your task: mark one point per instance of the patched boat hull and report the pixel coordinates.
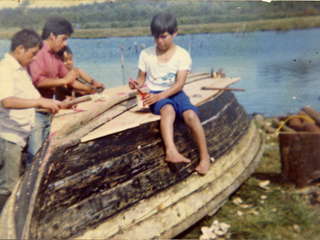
(119, 186)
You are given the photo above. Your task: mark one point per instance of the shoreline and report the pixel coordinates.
(281, 25)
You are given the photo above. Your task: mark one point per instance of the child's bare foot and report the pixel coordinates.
(176, 157)
(203, 166)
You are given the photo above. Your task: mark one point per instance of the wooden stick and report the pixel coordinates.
(259, 118)
(312, 113)
(122, 62)
(68, 104)
(278, 123)
(225, 89)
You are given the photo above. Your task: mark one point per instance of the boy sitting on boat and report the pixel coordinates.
(165, 67)
(93, 86)
(19, 98)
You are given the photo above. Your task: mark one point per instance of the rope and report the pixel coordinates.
(294, 116)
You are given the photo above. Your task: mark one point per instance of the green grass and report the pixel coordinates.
(284, 214)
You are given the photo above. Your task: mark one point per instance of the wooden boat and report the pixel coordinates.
(102, 175)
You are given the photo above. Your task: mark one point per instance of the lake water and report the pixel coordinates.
(280, 71)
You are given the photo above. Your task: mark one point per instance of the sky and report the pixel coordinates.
(45, 3)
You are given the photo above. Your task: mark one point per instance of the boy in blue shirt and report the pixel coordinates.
(164, 67)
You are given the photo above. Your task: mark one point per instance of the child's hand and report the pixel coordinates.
(71, 76)
(151, 99)
(51, 104)
(98, 85)
(132, 83)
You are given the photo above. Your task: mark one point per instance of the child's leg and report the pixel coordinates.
(168, 115)
(10, 159)
(193, 122)
(37, 135)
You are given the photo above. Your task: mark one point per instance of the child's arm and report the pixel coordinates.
(139, 82)
(49, 82)
(82, 89)
(177, 87)
(19, 103)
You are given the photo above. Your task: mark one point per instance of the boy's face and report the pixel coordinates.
(68, 60)
(164, 40)
(58, 42)
(27, 57)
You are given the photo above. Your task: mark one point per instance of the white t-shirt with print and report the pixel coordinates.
(161, 76)
(15, 124)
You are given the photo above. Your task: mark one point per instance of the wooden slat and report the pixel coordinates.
(133, 118)
(223, 88)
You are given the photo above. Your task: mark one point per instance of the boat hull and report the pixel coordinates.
(93, 189)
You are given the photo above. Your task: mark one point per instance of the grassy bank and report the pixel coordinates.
(261, 25)
(274, 212)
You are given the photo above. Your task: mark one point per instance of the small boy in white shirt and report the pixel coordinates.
(19, 98)
(164, 67)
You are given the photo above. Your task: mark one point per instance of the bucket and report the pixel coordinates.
(140, 100)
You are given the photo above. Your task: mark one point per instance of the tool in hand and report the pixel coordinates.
(89, 85)
(69, 103)
(138, 89)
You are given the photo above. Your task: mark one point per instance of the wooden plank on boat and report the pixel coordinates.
(223, 89)
(134, 118)
(66, 115)
(177, 203)
(198, 96)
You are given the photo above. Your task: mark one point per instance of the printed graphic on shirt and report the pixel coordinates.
(166, 80)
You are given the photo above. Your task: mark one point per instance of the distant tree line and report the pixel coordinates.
(127, 14)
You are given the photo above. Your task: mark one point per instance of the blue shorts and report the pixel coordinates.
(179, 101)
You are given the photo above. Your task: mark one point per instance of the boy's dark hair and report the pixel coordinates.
(65, 49)
(163, 22)
(57, 26)
(28, 38)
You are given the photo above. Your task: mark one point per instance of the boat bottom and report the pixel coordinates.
(173, 210)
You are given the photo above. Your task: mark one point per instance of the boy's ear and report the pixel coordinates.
(52, 36)
(20, 49)
(175, 33)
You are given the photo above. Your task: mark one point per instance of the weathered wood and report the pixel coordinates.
(130, 194)
(197, 76)
(259, 118)
(255, 153)
(73, 187)
(69, 103)
(222, 88)
(134, 196)
(278, 124)
(312, 113)
(134, 119)
(176, 203)
(90, 115)
(300, 157)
